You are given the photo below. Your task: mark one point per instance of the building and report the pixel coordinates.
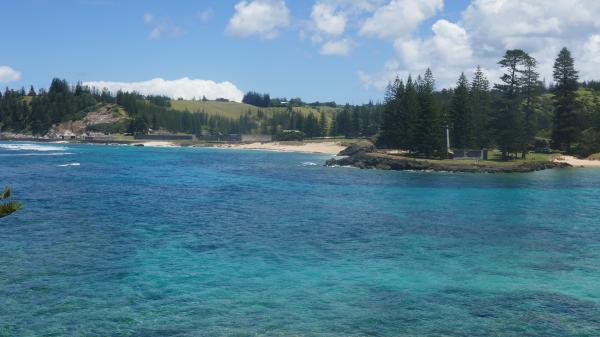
(471, 154)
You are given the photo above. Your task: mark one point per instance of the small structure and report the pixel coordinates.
(471, 154)
(247, 138)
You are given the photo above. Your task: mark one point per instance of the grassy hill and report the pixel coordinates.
(225, 109)
(235, 109)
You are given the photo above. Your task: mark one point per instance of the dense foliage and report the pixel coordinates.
(510, 116)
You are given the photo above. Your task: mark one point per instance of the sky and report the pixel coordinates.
(319, 50)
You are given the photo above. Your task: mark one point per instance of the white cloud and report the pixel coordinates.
(341, 47)
(161, 27)
(259, 17)
(539, 27)
(589, 61)
(326, 20)
(400, 17)
(8, 74)
(206, 15)
(184, 87)
(448, 52)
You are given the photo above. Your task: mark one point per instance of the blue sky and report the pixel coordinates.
(343, 55)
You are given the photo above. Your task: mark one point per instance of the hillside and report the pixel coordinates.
(235, 110)
(224, 109)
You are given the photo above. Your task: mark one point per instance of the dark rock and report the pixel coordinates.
(354, 149)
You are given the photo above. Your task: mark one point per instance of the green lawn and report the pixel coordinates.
(225, 109)
(494, 159)
(235, 109)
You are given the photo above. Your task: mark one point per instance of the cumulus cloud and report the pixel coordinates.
(326, 20)
(8, 74)
(400, 17)
(264, 18)
(341, 47)
(185, 88)
(539, 27)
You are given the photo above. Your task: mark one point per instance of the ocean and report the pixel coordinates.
(128, 241)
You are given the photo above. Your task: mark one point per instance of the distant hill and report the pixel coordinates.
(235, 109)
(224, 109)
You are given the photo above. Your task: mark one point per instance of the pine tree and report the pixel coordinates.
(31, 92)
(429, 136)
(565, 130)
(323, 124)
(530, 86)
(411, 108)
(508, 121)
(480, 109)
(390, 130)
(460, 115)
(154, 123)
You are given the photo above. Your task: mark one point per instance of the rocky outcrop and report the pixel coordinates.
(380, 161)
(104, 114)
(354, 149)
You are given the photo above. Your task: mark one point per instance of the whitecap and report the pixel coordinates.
(45, 154)
(308, 163)
(70, 164)
(32, 147)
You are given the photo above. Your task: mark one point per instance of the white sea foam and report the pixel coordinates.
(45, 154)
(70, 164)
(308, 163)
(32, 147)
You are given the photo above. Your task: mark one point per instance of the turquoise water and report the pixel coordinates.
(124, 241)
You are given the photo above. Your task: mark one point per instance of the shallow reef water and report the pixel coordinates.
(208, 242)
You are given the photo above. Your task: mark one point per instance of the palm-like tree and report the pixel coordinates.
(9, 207)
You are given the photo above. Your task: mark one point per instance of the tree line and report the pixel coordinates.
(512, 115)
(508, 116)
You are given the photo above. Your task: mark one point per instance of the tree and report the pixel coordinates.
(323, 124)
(7, 208)
(530, 82)
(565, 130)
(429, 135)
(411, 109)
(391, 130)
(480, 100)
(31, 91)
(154, 122)
(460, 115)
(508, 121)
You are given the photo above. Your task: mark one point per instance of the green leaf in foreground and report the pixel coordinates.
(7, 208)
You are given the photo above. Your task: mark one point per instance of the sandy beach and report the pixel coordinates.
(575, 162)
(330, 148)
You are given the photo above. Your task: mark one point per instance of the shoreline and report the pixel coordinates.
(328, 148)
(325, 148)
(576, 162)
